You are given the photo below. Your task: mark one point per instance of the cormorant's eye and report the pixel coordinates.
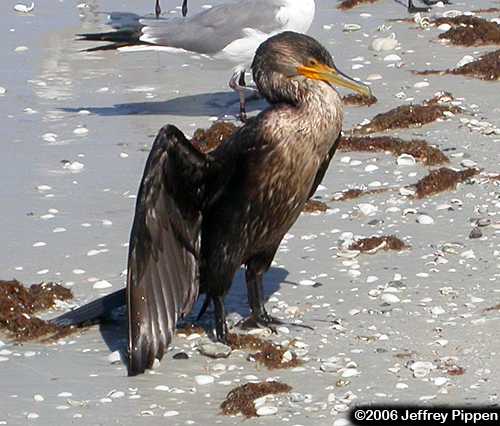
(313, 62)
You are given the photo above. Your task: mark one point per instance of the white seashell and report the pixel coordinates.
(38, 398)
(406, 160)
(114, 357)
(3, 90)
(424, 219)
(350, 372)
(22, 8)
(437, 310)
(348, 254)
(21, 49)
(452, 13)
(307, 283)
(371, 168)
(367, 209)
(421, 84)
(102, 284)
(468, 163)
(389, 298)
(444, 27)
(373, 77)
(215, 350)
(467, 59)
(392, 58)
(440, 381)
(81, 131)
(407, 192)
(267, 410)
(204, 380)
(170, 413)
(351, 27)
(74, 166)
(385, 43)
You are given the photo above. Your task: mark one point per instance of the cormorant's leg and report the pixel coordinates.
(256, 268)
(184, 7)
(220, 319)
(204, 307)
(414, 9)
(157, 9)
(235, 84)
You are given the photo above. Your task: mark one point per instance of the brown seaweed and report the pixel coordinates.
(18, 304)
(315, 206)
(406, 116)
(371, 244)
(351, 194)
(359, 100)
(441, 180)
(470, 31)
(207, 140)
(263, 351)
(241, 399)
(418, 148)
(486, 67)
(350, 4)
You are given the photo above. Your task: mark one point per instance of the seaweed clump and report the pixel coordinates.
(486, 67)
(207, 140)
(470, 31)
(350, 4)
(359, 100)
(315, 206)
(18, 304)
(373, 244)
(441, 180)
(351, 194)
(267, 353)
(419, 149)
(241, 399)
(406, 116)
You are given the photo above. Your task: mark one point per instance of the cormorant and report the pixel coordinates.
(199, 217)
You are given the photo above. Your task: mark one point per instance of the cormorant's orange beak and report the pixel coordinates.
(332, 75)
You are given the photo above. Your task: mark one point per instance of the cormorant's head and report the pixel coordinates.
(286, 59)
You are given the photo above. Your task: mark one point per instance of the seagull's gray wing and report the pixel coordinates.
(163, 263)
(213, 29)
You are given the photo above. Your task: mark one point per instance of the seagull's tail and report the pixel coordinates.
(117, 39)
(93, 311)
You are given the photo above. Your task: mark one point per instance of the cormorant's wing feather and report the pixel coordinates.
(163, 272)
(324, 166)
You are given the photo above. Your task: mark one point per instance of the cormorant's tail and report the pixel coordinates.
(116, 39)
(93, 311)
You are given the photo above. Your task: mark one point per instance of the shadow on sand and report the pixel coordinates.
(114, 332)
(205, 104)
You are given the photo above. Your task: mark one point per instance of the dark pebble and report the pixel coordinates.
(181, 355)
(476, 233)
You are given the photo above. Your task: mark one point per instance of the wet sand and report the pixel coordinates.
(378, 315)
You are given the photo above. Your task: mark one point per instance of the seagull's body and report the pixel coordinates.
(229, 31)
(199, 217)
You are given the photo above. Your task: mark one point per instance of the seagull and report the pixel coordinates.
(199, 217)
(230, 32)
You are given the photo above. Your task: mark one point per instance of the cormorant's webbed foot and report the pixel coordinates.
(414, 9)
(263, 319)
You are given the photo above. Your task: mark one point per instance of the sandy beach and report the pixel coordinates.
(417, 326)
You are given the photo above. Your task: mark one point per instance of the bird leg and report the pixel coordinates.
(157, 9)
(237, 83)
(414, 9)
(184, 7)
(221, 330)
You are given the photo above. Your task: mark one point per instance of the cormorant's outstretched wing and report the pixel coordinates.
(324, 166)
(163, 273)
